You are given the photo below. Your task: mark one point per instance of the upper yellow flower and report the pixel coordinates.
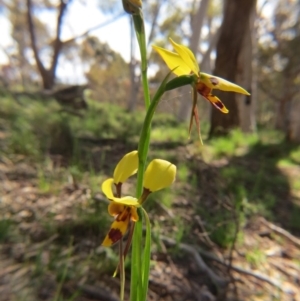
(158, 175)
(185, 63)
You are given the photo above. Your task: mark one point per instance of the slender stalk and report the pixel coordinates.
(146, 257)
(136, 289)
(139, 26)
(139, 279)
(122, 270)
(140, 263)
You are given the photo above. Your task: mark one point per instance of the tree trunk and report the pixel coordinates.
(294, 133)
(246, 104)
(233, 30)
(196, 25)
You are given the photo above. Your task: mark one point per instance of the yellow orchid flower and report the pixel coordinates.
(185, 63)
(158, 175)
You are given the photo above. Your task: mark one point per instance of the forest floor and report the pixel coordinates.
(228, 229)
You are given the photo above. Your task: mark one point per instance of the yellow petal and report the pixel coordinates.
(106, 188)
(115, 209)
(127, 200)
(116, 232)
(159, 174)
(219, 83)
(214, 100)
(173, 60)
(126, 167)
(134, 215)
(187, 56)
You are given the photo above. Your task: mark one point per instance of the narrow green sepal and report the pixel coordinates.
(180, 81)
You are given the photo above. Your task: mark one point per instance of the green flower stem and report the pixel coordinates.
(139, 26)
(136, 260)
(138, 292)
(140, 264)
(140, 261)
(146, 257)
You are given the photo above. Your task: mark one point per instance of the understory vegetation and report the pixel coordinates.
(54, 216)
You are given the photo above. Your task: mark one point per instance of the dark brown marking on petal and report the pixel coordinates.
(203, 89)
(214, 81)
(219, 105)
(114, 235)
(124, 214)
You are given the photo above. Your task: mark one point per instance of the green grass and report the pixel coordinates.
(255, 257)
(294, 219)
(5, 225)
(236, 143)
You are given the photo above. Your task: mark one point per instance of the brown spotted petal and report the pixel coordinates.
(214, 100)
(205, 91)
(116, 231)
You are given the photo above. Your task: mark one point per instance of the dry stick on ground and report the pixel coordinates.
(220, 282)
(215, 278)
(97, 292)
(282, 232)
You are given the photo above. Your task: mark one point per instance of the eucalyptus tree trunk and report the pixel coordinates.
(294, 133)
(247, 104)
(196, 24)
(233, 31)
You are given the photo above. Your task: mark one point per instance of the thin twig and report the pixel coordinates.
(217, 280)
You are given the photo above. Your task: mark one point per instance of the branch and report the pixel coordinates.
(217, 280)
(282, 232)
(33, 38)
(57, 42)
(201, 264)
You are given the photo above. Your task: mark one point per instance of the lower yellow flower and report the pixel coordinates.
(158, 175)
